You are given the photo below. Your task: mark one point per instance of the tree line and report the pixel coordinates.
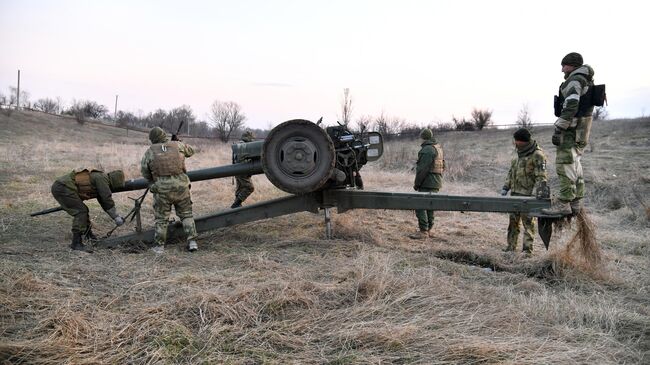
(226, 119)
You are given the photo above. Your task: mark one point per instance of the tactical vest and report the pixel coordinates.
(438, 165)
(595, 95)
(85, 189)
(167, 160)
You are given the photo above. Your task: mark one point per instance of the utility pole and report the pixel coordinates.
(18, 92)
(115, 113)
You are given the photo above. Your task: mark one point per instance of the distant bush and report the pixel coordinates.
(463, 124)
(481, 118)
(47, 105)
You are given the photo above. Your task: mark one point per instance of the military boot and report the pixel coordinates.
(192, 246)
(236, 204)
(576, 206)
(419, 235)
(76, 243)
(559, 208)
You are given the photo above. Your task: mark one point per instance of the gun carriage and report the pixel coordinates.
(320, 169)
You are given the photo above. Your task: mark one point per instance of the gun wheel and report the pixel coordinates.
(298, 156)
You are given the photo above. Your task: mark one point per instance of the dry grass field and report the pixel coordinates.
(278, 292)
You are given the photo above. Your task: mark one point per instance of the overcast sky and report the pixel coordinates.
(423, 61)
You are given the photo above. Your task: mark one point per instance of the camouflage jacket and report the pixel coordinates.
(424, 178)
(164, 184)
(100, 182)
(575, 85)
(527, 170)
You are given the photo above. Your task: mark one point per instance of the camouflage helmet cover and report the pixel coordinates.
(247, 136)
(116, 179)
(426, 134)
(157, 135)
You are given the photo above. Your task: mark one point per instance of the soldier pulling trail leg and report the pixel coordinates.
(71, 189)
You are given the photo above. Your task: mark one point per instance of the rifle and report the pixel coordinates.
(175, 135)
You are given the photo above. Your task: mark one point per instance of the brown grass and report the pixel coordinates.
(277, 292)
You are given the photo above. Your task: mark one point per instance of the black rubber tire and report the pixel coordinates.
(315, 174)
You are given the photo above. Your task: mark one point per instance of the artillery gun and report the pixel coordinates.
(320, 168)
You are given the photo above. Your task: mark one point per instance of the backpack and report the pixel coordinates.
(595, 96)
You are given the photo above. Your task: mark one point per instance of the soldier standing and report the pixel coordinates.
(244, 182)
(527, 172)
(164, 166)
(572, 133)
(71, 189)
(428, 178)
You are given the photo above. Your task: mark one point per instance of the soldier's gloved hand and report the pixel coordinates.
(504, 191)
(557, 137)
(119, 220)
(415, 187)
(175, 138)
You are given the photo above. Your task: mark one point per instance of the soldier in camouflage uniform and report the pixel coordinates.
(571, 135)
(428, 178)
(244, 182)
(527, 172)
(71, 189)
(164, 166)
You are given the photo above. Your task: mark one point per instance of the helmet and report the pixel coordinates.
(157, 135)
(247, 136)
(426, 134)
(116, 179)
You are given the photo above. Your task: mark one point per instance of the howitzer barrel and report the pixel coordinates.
(244, 168)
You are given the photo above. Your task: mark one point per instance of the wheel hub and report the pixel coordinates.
(298, 157)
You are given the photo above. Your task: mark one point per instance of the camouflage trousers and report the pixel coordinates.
(568, 155)
(514, 228)
(244, 187)
(162, 206)
(570, 175)
(425, 217)
(73, 205)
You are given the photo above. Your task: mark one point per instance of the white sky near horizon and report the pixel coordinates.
(422, 61)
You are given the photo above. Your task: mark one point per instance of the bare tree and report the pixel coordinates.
(346, 107)
(389, 127)
(481, 118)
(523, 119)
(600, 113)
(47, 105)
(227, 118)
(364, 123)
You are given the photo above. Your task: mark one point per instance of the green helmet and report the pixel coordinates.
(157, 135)
(426, 134)
(247, 136)
(116, 179)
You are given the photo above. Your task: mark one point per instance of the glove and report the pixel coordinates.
(557, 137)
(119, 220)
(504, 191)
(175, 138)
(415, 187)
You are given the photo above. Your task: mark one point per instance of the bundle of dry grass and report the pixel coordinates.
(582, 252)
